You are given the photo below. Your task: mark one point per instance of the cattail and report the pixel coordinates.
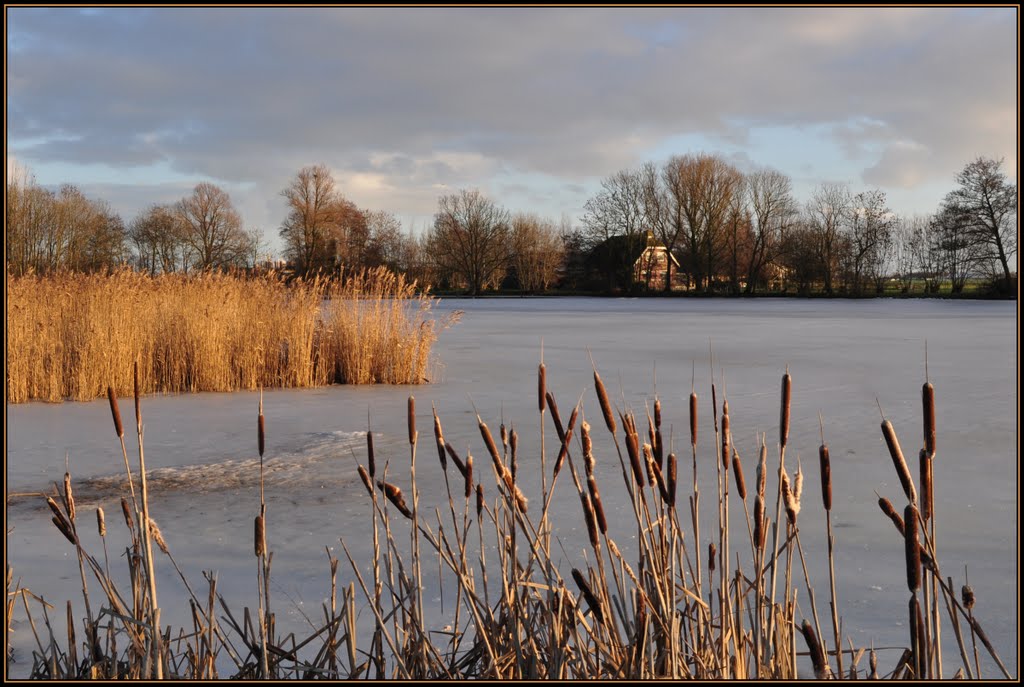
(581, 582)
(127, 512)
(554, 416)
(261, 433)
(521, 501)
(759, 524)
(649, 463)
(513, 445)
(762, 468)
(439, 438)
(671, 482)
(817, 653)
(737, 470)
(928, 403)
(659, 448)
(606, 407)
(503, 434)
(914, 608)
(967, 596)
(659, 479)
(412, 420)
(725, 438)
(258, 536)
(693, 419)
(64, 528)
(566, 438)
(787, 398)
(913, 548)
(469, 475)
(711, 557)
(792, 505)
(897, 460)
(450, 450)
(369, 455)
(588, 447)
(897, 520)
(634, 458)
(479, 499)
(158, 536)
(367, 479)
(657, 413)
(101, 521)
(394, 495)
(115, 411)
(873, 663)
(138, 406)
(489, 443)
(826, 476)
(542, 374)
(927, 502)
(69, 497)
(55, 508)
(595, 500)
(588, 516)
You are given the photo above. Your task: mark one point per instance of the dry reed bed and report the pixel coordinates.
(68, 336)
(658, 611)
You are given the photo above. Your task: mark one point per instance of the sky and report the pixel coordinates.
(532, 106)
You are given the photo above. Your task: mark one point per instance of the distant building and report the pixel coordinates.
(651, 264)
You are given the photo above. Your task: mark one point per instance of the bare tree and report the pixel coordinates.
(385, 242)
(615, 224)
(869, 233)
(158, 239)
(537, 251)
(772, 212)
(323, 229)
(469, 239)
(956, 245)
(827, 212)
(212, 228)
(986, 202)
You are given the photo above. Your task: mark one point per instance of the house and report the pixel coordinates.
(652, 262)
(627, 262)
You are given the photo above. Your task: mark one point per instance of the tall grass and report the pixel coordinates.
(521, 611)
(70, 336)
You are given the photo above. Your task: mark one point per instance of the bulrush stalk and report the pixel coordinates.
(927, 498)
(693, 419)
(469, 475)
(606, 406)
(928, 404)
(671, 480)
(898, 461)
(370, 462)
(459, 465)
(913, 548)
(412, 420)
(737, 470)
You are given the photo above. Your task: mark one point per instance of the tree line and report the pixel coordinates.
(728, 231)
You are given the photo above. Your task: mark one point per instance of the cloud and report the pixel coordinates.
(405, 102)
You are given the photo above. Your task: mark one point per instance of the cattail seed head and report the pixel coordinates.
(693, 419)
(606, 407)
(370, 463)
(112, 397)
(554, 416)
(261, 434)
(158, 536)
(649, 463)
(927, 497)
(439, 439)
(566, 438)
(259, 540)
(513, 445)
(469, 475)
(787, 398)
(634, 458)
(55, 508)
(928, 403)
(873, 663)
(542, 375)
(64, 529)
(588, 447)
(394, 495)
(817, 653)
(101, 522)
(503, 434)
(595, 499)
(479, 499)
(897, 520)
(588, 594)
(967, 597)
(126, 511)
(737, 470)
(657, 413)
(913, 548)
(759, 524)
(712, 550)
(725, 441)
(588, 516)
(762, 469)
(898, 461)
(412, 420)
(367, 479)
(489, 443)
(798, 483)
(672, 467)
(450, 450)
(826, 476)
(69, 497)
(792, 505)
(138, 406)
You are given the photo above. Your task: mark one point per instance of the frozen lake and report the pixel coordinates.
(842, 355)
